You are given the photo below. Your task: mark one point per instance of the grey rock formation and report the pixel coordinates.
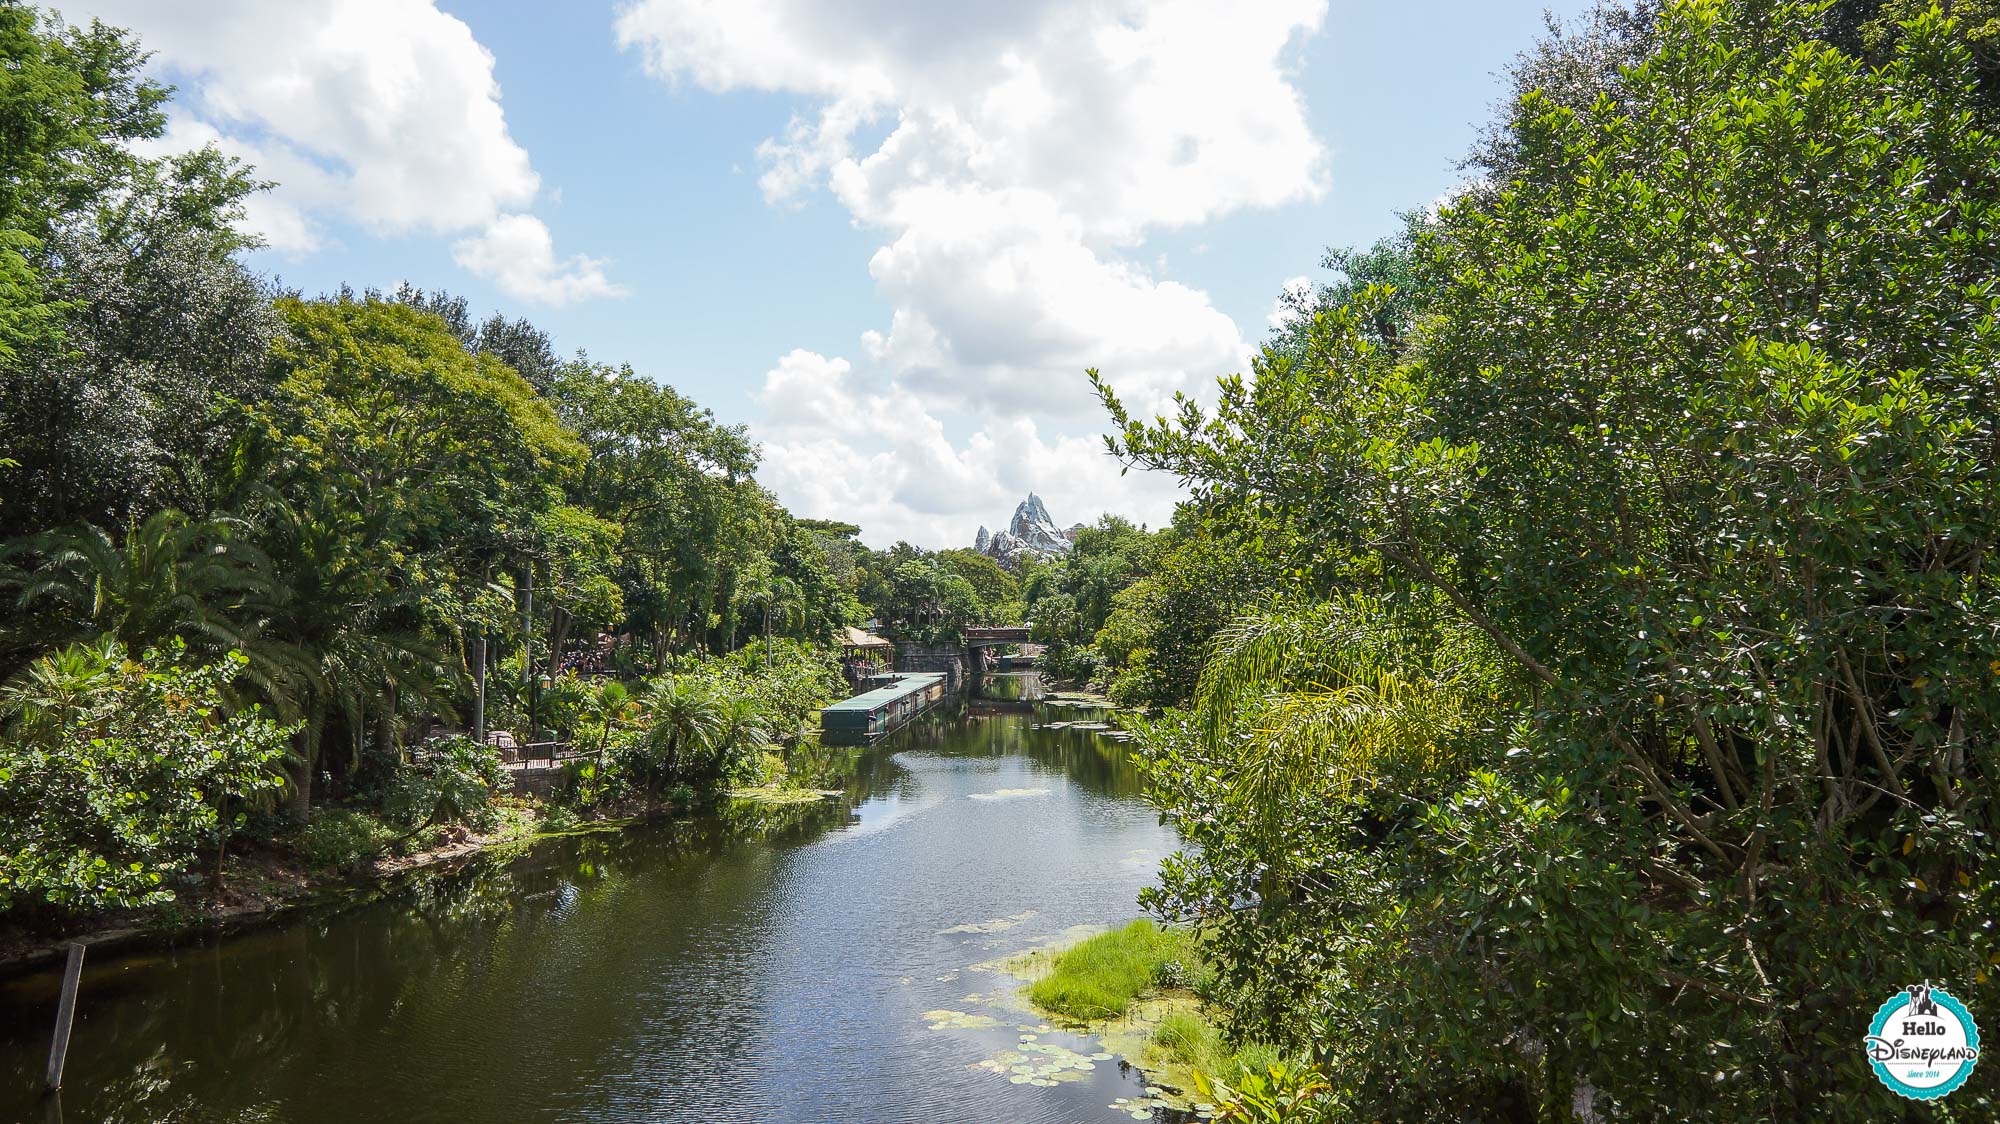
(1030, 534)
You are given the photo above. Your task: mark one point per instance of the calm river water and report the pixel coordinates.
(771, 964)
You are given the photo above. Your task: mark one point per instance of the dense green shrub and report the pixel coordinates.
(116, 774)
(1275, 1093)
(786, 688)
(589, 783)
(708, 723)
(454, 780)
(559, 817)
(1071, 663)
(346, 838)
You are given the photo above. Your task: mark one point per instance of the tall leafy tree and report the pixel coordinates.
(400, 463)
(681, 487)
(127, 328)
(1699, 436)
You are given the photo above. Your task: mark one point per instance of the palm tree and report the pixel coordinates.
(172, 576)
(48, 695)
(611, 706)
(1316, 701)
(743, 730)
(354, 637)
(686, 720)
(779, 597)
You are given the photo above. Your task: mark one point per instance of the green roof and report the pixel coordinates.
(883, 696)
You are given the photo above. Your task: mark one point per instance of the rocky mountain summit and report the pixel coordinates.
(1030, 534)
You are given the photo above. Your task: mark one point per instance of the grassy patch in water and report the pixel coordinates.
(1099, 978)
(1138, 990)
(1186, 1039)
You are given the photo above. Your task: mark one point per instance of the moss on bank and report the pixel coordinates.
(783, 794)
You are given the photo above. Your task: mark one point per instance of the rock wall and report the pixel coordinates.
(947, 658)
(538, 781)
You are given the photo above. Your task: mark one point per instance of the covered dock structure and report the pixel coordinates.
(868, 716)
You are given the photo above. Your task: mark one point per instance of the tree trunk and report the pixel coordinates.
(298, 801)
(306, 745)
(527, 626)
(385, 730)
(221, 845)
(479, 689)
(559, 622)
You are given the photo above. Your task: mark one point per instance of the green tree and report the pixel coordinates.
(681, 487)
(402, 466)
(995, 587)
(923, 599)
(1698, 438)
(1389, 263)
(1156, 639)
(71, 102)
(780, 598)
(826, 600)
(681, 741)
(125, 324)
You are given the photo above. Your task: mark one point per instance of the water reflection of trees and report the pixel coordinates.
(268, 1020)
(287, 1021)
(1095, 763)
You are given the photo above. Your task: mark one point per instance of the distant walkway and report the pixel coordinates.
(999, 634)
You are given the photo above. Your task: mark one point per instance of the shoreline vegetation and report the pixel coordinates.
(1139, 989)
(262, 887)
(265, 884)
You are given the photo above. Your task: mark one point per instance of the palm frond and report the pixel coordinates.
(1303, 703)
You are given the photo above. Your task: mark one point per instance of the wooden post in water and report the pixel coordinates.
(65, 1014)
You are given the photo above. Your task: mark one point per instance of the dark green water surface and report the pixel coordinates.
(765, 964)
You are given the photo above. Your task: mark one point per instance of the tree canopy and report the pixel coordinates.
(1689, 459)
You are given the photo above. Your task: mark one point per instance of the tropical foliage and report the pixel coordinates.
(115, 774)
(1625, 733)
(361, 515)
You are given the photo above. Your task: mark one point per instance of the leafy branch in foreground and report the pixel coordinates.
(1696, 433)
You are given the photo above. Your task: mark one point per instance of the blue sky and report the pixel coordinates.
(728, 196)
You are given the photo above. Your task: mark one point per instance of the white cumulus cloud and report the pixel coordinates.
(1028, 149)
(517, 252)
(875, 456)
(382, 113)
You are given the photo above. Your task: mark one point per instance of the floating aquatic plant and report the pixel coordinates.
(1041, 1064)
(944, 1019)
(998, 924)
